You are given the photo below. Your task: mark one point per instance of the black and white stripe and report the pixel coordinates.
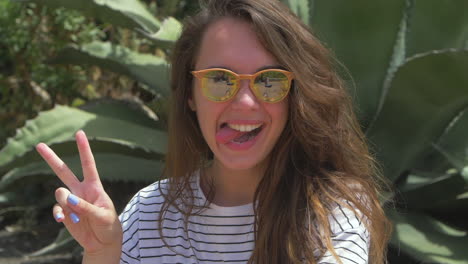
(218, 234)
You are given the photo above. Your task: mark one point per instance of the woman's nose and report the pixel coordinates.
(245, 99)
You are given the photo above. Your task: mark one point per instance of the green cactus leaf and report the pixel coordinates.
(148, 69)
(449, 150)
(300, 8)
(8, 198)
(362, 35)
(427, 239)
(437, 25)
(131, 14)
(60, 124)
(453, 143)
(169, 32)
(132, 111)
(111, 167)
(424, 190)
(426, 93)
(447, 207)
(464, 173)
(397, 59)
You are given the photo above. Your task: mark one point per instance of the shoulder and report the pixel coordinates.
(350, 237)
(148, 202)
(345, 216)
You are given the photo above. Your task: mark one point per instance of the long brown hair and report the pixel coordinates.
(321, 158)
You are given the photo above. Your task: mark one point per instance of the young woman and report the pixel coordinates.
(266, 161)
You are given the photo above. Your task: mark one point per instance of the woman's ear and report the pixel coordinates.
(191, 104)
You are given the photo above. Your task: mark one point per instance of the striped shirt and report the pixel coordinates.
(218, 234)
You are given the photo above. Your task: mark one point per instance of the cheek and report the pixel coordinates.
(197, 101)
(194, 96)
(208, 113)
(279, 113)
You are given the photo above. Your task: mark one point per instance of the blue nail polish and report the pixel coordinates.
(73, 199)
(75, 219)
(59, 216)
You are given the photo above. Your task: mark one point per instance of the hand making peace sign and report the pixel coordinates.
(87, 212)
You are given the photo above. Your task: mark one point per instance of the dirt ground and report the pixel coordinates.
(19, 237)
(17, 242)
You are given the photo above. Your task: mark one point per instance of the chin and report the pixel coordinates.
(244, 163)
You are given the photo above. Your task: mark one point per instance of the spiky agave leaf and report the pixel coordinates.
(422, 190)
(111, 167)
(438, 25)
(362, 35)
(151, 70)
(427, 239)
(131, 14)
(59, 125)
(416, 111)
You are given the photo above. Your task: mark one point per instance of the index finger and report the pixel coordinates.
(58, 166)
(88, 164)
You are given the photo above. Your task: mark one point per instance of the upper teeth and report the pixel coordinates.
(244, 128)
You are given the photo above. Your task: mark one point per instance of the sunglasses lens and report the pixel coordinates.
(271, 86)
(219, 85)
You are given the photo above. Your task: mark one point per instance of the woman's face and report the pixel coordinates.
(232, 44)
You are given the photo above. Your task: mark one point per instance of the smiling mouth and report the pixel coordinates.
(241, 133)
(242, 127)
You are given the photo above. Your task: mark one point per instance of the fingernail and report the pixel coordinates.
(59, 216)
(73, 199)
(74, 218)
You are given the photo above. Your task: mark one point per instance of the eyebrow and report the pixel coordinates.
(258, 69)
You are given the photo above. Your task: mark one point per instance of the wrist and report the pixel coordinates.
(109, 255)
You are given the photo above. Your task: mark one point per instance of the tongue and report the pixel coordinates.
(226, 134)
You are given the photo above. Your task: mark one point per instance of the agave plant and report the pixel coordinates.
(128, 140)
(405, 60)
(131, 142)
(408, 62)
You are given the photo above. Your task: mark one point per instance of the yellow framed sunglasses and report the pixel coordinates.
(221, 85)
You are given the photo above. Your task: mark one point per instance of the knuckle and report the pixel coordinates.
(60, 191)
(61, 195)
(57, 193)
(89, 163)
(56, 208)
(62, 168)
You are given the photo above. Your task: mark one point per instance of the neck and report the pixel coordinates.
(232, 187)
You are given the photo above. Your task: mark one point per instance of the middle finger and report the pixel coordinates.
(88, 164)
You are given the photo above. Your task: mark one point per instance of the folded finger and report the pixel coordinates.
(61, 195)
(80, 208)
(65, 216)
(58, 166)
(58, 213)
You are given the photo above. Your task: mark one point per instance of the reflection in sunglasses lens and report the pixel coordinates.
(269, 86)
(219, 85)
(272, 85)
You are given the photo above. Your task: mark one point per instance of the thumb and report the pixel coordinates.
(81, 207)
